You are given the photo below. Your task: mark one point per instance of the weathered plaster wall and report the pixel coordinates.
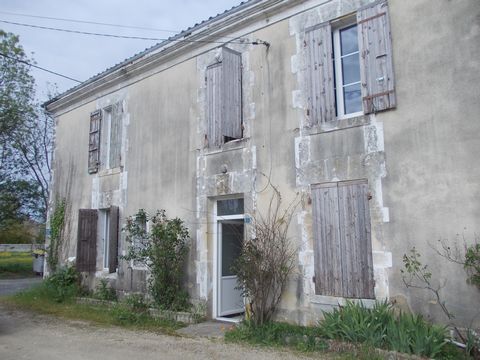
(432, 145)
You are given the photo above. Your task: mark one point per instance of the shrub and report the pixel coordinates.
(163, 251)
(104, 291)
(62, 285)
(380, 327)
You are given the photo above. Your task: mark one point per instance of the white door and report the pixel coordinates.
(230, 240)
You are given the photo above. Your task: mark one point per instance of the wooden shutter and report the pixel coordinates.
(214, 109)
(320, 75)
(87, 240)
(224, 99)
(113, 240)
(94, 142)
(232, 95)
(115, 135)
(342, 247)
(376, 64)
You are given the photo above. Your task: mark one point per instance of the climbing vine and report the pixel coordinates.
(56, 230)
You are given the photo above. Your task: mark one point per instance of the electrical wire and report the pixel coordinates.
(257, 42)
(38, 67)
(89, 22)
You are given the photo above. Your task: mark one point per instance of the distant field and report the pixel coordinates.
(16, 265)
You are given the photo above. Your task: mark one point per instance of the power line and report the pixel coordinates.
(128, 37)
(89, 22)
(38, 67)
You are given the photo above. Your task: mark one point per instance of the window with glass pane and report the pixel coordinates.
(347, 71)
(229, 207)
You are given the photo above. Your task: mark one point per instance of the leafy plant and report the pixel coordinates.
(472, 263)
(163, 250)
(104, 291)
(56, 233)
(62, 285)
(266, 261)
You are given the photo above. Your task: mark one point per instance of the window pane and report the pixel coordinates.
(352, 98)
(349, 40)
(232, 239)
(351, 69)
(230, 207)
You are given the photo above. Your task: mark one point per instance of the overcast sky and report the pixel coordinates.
(82, 56)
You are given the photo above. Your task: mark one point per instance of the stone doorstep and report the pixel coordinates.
(179, 316)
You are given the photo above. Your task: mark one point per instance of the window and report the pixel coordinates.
(342, 244)
(105, 143)
(359, 79)
(224, 99)
(347, 71)
(91, 227)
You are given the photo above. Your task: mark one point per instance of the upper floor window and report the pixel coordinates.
(224, 99)
(359, 79)
(105, 142)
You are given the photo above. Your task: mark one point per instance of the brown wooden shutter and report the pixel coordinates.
(113, 240)
(87, 240)
(320, 75)
(214, 109)
(94, 142)
(232, 95)
(115, 136)
(376, 63)
(342, 247)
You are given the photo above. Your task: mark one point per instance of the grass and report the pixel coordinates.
(16, 265)
(39, 300)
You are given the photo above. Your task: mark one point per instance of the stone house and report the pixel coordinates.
(367, 109)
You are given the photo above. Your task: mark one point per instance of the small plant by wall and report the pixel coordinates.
(163, 249)
(57, 222)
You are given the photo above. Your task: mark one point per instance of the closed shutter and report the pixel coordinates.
(115, 135)
(342, 250)
(113, 240)
(94, 142)
(320, 75)
(376, 64)
(224, 99)
(232, 95)
(87, 240)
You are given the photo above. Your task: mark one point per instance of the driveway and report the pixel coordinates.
(11, 286)
(40, 337)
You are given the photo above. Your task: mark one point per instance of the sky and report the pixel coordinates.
(83, 56)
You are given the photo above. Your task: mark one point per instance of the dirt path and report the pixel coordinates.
(39, 337)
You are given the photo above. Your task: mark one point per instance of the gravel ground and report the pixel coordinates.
(32, 336)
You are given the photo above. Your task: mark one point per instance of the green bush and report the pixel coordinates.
(380, 327)
(105, 292)
(62, 285)
(163, 251)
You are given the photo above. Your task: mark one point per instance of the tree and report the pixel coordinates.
(26, 137)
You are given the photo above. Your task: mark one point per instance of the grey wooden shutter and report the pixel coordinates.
(327, 251)
(113, 240)
(354, 221)
(376, 63)
(320, 75)
(115, 135)
(94, 141)
(87, 240)
(342, 246)
(214, 104)
(232, 95)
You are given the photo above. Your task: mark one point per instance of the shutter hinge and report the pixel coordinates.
(313, 279)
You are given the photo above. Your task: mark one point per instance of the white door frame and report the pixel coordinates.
(217, 220)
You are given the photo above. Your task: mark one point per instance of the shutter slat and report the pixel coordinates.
(94, 141)
(87, 240)
(113, 240)
(214, 102)
(376, 63)
(321, 96)
(232, 94)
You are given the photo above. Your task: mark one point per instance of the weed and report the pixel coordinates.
(103, 291)
(62, 285)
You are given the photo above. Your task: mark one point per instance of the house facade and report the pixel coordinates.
(365, 110)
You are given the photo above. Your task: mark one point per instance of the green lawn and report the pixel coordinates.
(16, 265)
